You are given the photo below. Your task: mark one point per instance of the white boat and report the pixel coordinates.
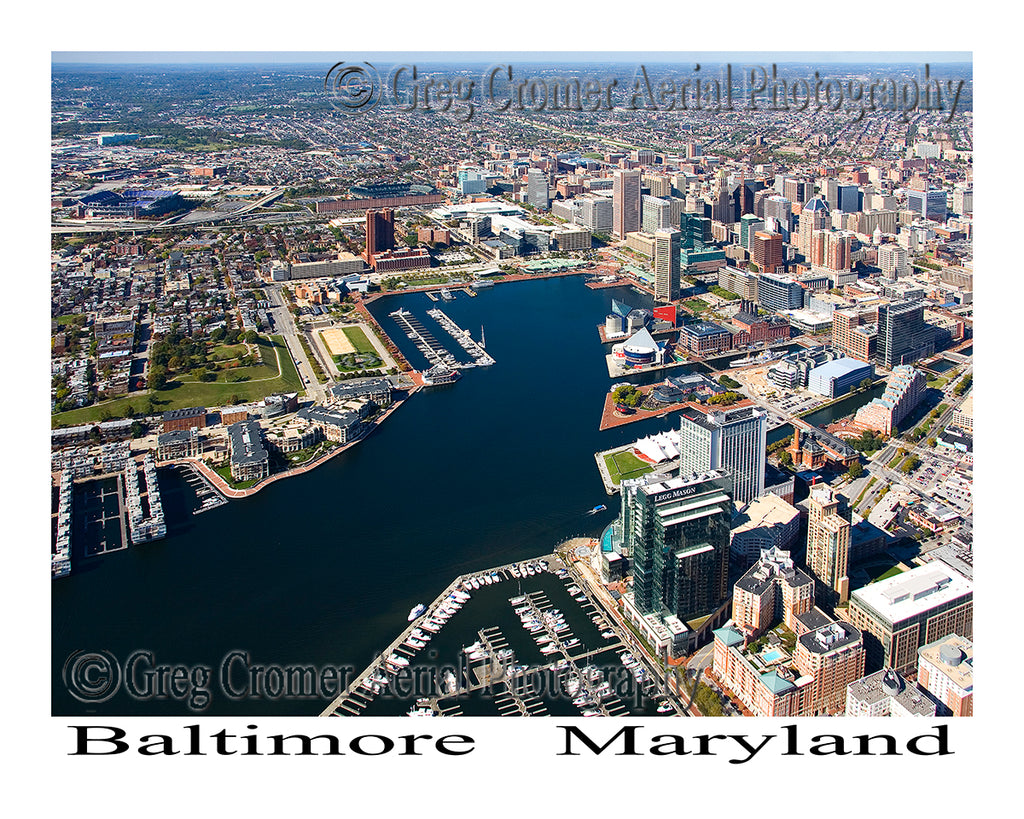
(450, 685)
(475, 583)
(530, 571)
(664, 708)
(417, 611)
(549, 649)
(515, 571)
(398, 660)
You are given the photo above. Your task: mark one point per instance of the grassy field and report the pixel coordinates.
(624, 465)
(263, 379)
(881, 570)
(226, 352)
(359, 340)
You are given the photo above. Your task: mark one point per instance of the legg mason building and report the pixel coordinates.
(675, 530)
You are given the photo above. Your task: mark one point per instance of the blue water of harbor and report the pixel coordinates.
(322, 569)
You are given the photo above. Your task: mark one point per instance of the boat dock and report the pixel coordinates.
(424, 341)
(575, 675)
(431, 295)
(362, 689)
(206, 492)
(465, 340)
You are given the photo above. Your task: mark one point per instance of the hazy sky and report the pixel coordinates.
(251, 57)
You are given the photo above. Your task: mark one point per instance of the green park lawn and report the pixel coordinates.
(260, 380)
(359, 340)
(624, 465)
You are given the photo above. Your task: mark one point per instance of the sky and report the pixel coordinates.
(561, 57)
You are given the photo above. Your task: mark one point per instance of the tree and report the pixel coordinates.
(785, 458)
(866, 384)
(157, 377)
(855, 470)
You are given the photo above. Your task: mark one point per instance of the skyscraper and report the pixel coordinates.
(731, 439)
(625, 203)
(677, 533)
(380, 232)
(656, 214)
(828, 547)
(537, 188)
(849, 198)
(749, 225)
(903, 335)
(814, 216)
(766, 250)
(666, 264)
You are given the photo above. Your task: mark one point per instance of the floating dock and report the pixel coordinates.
(434, 352)
(465, 340)
(207, 494)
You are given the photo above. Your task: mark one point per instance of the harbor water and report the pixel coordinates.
(322, 569)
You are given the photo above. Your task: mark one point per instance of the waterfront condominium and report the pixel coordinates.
(666, 264)
(733, 439)
(828, 547)
(625, 203)
(676, 531)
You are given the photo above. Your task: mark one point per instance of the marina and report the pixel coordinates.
(252, 540)
(434, 352)
(520, 639)
(464, 339)
(208, 497)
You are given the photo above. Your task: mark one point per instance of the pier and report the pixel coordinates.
(424, 341)
(465, 340)
(206, 492)
(60, 558)
(489, 668)
(360, 690)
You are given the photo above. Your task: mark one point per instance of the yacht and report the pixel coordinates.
(417, 611)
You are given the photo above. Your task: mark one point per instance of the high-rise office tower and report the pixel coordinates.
(814, 216)
(676, 530)
(849, 197)
(656, 214)
(828, 547)
(625, 203)
(731, 439)
(903, 335)
(780, 209)
(831, 191)
(537, 188)
(696, 230)
(749, 225)
(666, 264)
(380, 232)
(766, 250)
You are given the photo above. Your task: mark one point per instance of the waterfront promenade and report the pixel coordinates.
(222, 486)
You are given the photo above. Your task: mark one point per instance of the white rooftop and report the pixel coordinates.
(911, 593)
